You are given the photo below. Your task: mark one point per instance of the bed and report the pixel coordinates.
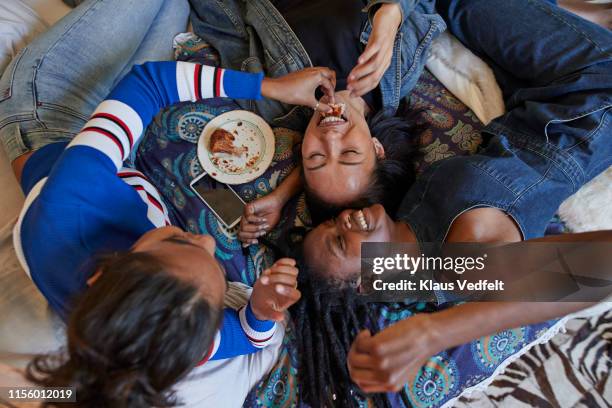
(167, 156)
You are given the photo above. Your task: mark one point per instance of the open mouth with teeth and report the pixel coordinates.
(359, 220)
(336, 117)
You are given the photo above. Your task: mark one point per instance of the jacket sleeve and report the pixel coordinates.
(407, 7)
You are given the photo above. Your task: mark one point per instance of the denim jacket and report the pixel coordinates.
(251, 35)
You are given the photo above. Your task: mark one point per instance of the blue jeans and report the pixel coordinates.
(52, 86)
(555, 71)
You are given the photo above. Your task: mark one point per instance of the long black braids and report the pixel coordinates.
(327, 318)
(333, 316)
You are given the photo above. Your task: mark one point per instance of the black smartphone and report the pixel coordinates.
(222, 200)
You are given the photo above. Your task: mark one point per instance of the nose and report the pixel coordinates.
(332, 134)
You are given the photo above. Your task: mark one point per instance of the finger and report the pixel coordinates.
(326, 72)
(362, 376)
(323, 107)
(285, 269)
(327, 86)
(255, 219)
(380, 388)
(280, 278)
(364, 85)
(250, 211)
(291, 296)
(250, 208)
(370, 50)
(362, 342)
(382, 382)
(286, 261)
(333, 81)
(250, 236)
(248, 227)
(323, 104)
(363, 70)
(269, 273)
(266, 272)
(361, 360)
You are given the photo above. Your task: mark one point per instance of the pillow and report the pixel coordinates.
(466, 76)
(18, 25)
(27, 327)
(591, 207)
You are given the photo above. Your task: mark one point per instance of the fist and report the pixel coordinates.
(275, 290)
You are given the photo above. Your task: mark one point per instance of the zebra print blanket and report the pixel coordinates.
(571, 370)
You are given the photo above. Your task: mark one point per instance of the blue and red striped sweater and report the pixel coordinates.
(81, 201)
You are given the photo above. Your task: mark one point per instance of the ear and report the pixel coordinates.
(378, 148)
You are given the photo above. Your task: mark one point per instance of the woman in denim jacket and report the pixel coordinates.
(378, 50)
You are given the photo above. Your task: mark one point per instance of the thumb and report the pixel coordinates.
(251, 209)
(362, 341)
(323, 107)
(371, 48)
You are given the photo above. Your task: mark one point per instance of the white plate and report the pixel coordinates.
(250, 130)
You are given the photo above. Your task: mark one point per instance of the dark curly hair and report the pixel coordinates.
(392, 176)
(131, 336)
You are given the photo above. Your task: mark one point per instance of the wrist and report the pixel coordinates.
(280, 196)
(289, 187)
(434, 340)
(269, 88)
(256, 313)
(392, 13)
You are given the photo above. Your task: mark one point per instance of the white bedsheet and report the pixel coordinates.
(18, 25)
(22, 20)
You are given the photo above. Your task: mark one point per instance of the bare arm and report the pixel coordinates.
(391, 358)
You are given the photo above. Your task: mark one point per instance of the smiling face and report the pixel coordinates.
(188, 257)
(339, 154)
(334, 247)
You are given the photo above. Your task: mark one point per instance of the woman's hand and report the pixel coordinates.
(298, 88)
(376, 57)
(275, 290)
(393, 357)
(259, 217)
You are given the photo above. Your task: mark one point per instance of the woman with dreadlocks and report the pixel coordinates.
(346, 357)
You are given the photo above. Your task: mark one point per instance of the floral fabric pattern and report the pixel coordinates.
(167, 156)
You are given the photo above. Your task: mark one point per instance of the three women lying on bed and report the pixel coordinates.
(158, 285)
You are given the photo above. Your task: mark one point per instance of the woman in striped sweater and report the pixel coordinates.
(140, 319)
